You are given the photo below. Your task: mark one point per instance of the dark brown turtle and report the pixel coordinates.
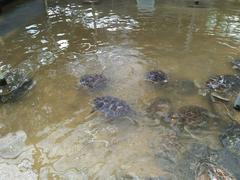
(193, 118)
(230, 139)
(160, 109)
(112, 107)
(157, 77)
(93, 81)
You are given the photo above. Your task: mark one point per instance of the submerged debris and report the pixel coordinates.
(112, 107)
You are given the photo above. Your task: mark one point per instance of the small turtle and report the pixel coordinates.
(230, 139)
(224, 83)
(192, 116)
(236, 64)
(112, 107)
(93, 81)
(157, 77)
(211, 171)
(160, 108)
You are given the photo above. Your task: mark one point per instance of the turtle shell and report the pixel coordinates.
(93, 81)
(192, 116)
(160, 108)
(230, 139)
(157, 77)
(112, 107)
(209, 170)
(224, 83)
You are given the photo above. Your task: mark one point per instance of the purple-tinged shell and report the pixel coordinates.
(157, 77)
(93, 81)
(112, 107)
(224, 83)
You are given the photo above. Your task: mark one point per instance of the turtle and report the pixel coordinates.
(211, 171)
(112, 107)
(157, 77)
(200, 162)
(195, 118)
(230, 138)
(222, 91)
(93, 81)
(236, 64)
(192, 116)
(160, 109)
(224, 83)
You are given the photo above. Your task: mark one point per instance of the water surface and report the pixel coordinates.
(51, 134)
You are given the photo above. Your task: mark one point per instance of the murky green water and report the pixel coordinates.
(50, 133)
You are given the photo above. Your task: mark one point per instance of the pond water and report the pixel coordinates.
(50, 133)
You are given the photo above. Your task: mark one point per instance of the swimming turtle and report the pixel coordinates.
(224, 83)
(208, 170)
(222, 91)
(160, 109)
(236, 64)
(230, 139)
(192, 116)
(200, 162)
(157, 77)
(93, 81)
(112, 107)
